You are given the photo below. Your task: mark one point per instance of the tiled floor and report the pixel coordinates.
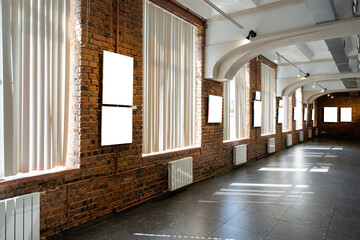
(309, 191)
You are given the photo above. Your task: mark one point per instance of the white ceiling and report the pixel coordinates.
(311, 57)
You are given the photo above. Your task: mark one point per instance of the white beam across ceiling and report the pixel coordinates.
(311, 96)
(286, 86)
(256, 10)
(256, 2)
(305, 51)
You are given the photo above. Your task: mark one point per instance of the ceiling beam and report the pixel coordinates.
(309, 97)
(305, 51)
(354, 57)
(286, 86)
(256, 2)
(256, 10)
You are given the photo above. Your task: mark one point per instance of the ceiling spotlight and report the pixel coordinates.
(323, 90)
(332, 96)
(313, 85)
(299, 74)
(328, 94)
(277, 60)
(252, 34)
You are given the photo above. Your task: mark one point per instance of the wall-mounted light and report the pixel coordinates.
(277, 60)
(322, 88)
(301, 72)
(251, 34)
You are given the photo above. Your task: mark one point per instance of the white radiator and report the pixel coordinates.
(240, 154)
(20, 217)
(288, 140)
(180, 173)
(301, 136)
(316, 131)
(271, 145)
(309, 133)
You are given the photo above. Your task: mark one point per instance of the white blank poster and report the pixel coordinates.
(281, 115)
(116, 125)
(305, 114)
(215, 109)
(257, 113)
(330, 114)
(117, 79)
(345, 115)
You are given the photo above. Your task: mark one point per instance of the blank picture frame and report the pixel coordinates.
(257, 113)
(116, 125)
(258, 96)
(330, 114)
(281, 115)
(214, 109)
(281, 104)
(118, 75)
(346, 114)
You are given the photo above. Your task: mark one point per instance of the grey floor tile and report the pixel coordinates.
(257, 223)
(307, 218)
(286, 231)
(270, 210)
(345, 226)
(234, 233)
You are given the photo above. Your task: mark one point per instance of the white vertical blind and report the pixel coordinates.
(235, 106)
(169, 81)
(268, 99)
(35, 72)
(299, 109)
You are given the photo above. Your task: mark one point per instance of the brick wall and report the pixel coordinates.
(115, 178)
(351, 129)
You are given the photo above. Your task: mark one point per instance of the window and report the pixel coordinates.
(345, 114)
(169, 81)
(305, 114)
(268, 100)
(298, 109)
(330, 114)
(235, 105)
(35, 70)
(286, 109)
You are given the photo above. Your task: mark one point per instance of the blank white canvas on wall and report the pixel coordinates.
(215, 109)
(116, 125)
(117, 79)
(345, 115)
(330, 114)
(257, 113)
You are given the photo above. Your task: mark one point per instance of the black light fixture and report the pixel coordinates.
(251, 34)
(301, 72)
